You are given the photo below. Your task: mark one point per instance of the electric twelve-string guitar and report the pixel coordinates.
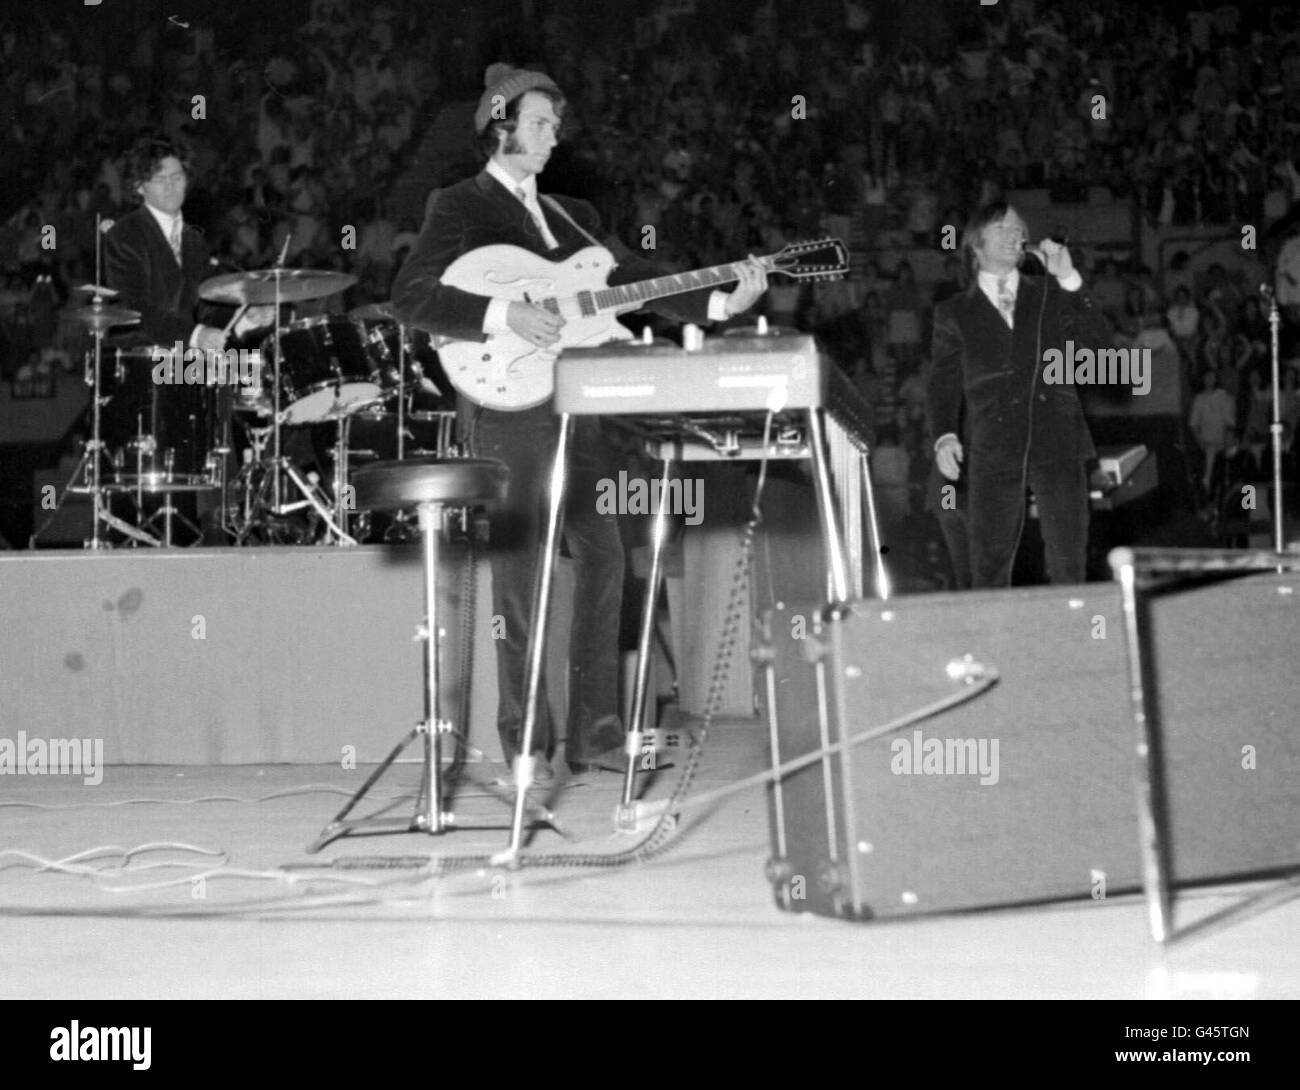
(507, 373)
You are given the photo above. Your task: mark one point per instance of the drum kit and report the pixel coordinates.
(364, 377)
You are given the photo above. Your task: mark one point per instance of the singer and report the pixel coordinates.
(1020, 432)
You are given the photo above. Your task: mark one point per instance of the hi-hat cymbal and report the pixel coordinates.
(374, 312)
(101, 318)
(257, 287)
(98, 289)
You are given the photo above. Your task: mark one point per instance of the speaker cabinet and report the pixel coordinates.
(983, 792)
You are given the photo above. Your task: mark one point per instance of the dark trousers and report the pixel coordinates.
(526, 441)
(997, 512)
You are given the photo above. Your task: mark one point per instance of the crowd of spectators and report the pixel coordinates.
(728, 128)
(295, 130)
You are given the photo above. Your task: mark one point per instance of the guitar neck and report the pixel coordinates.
(645, 290)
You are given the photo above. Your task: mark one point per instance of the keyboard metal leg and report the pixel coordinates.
(836, 566)
(646, 638)
(537, 636)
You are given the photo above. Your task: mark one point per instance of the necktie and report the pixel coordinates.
(175, 239)
(535, 210)
(1006, 301)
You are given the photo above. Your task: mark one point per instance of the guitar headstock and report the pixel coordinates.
(821, 259)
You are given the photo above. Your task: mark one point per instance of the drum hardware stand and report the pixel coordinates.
(221, 469)
(99, 319)
(219, 460)
(88, 465)
(400, 528)
(95, 448)
(342, 428)
(335, 515)
(401, 391)
(169, 513)
(313, 497)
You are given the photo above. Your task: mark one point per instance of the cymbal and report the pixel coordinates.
(98, 289)
(257, 287)
(373, 312)
(100, 318)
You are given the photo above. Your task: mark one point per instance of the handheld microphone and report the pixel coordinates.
(1032, 258)
(1060, 236)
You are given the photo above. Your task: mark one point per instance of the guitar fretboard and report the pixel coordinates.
(660, 286)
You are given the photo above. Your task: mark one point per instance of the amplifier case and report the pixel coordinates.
(1025, 792)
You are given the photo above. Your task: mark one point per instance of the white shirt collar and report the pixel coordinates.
(165, 221)
(528, 185)
(988, 282)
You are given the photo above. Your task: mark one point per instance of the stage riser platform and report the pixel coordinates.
(232, 656)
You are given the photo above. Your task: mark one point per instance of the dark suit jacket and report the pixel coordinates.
(480, 211)
(997, 372)
(138, 263)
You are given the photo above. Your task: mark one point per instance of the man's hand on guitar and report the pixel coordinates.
(753, 282)
(535, 324)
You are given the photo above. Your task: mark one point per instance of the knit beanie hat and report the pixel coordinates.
(501, 84)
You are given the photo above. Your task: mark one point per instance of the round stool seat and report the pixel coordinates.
(457, 482)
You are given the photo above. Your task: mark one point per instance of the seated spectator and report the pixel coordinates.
(1184, 321)
(1213, 413)
(1107, 292)
(1166, 393)
(1234, 468)
(1255, 411)
(906, 309)
(953, 282)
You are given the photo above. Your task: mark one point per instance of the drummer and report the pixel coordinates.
(155, 261)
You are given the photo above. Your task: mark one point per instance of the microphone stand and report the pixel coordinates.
(1276, 427)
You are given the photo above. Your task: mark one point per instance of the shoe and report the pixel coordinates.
(612, 760)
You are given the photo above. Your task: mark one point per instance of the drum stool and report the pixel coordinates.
(430, 485)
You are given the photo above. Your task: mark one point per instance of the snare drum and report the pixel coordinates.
(325, 369)
(158, 434)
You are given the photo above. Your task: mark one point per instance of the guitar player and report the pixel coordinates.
(517, 123)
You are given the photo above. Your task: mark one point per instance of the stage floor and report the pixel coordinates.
(698, 922)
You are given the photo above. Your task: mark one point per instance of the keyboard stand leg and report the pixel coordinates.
(883, 588)
(537, 636)
(646, 639)
(836, 567)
